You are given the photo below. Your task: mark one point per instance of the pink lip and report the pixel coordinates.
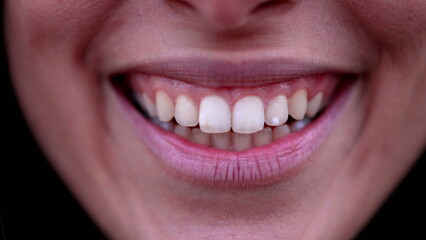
(254, 167)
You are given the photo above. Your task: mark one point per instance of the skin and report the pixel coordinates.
(60, 51)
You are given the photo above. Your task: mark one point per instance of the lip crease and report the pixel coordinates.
(254, 167)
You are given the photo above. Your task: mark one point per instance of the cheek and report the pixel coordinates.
(395, 25)
(58, 24)
(46, 41)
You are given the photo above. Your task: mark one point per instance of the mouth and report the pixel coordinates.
(232, 125)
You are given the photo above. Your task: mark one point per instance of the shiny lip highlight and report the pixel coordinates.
(258, 166)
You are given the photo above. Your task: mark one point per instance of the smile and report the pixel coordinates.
(232, 126)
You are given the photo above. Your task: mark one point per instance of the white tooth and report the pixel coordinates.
(200, 137)
(280, 131)
(248, 115)
(314, 105)
(215, 116)
(182, 131)
(186, 113)
(241, 142)
(149, 105)
(277, 111)
(298, 104)
(165, 106)
(299, 125)
(263, 137)
(221, 140)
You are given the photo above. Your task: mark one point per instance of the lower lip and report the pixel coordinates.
(258, 166)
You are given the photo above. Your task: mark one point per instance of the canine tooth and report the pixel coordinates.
(298, 104)
(248, 115)
(299, 125)
(277, 111)
(165, 106)
(221, 140)
(186, 113)
(149, 105)
(263, 137)
(182, 131)
(200, 137)
(241, 142)
(280, 131)
(215, 115)
(314, 105)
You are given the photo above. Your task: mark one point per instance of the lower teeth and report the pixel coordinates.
(300, 124)
(232, 141)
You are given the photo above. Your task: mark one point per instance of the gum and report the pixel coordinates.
(142, 83)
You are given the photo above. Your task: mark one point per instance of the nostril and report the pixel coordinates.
(268, 4)
(226, 14)
(182, 3)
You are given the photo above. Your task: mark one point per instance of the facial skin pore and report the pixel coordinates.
(63, 53)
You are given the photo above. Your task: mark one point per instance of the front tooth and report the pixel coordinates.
(182, 131)
(277, 111)
(215, 116)
(280, 132)
(241, 142)
(248, 115)
(314, 105)
(298, 104)
(149, 105)
(200, 137)
(186, 113)
(263, 137)
(221, 140)
(165, 106)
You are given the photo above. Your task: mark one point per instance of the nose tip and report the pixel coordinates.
(226, 14)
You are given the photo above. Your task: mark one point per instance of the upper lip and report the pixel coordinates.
(216, 73)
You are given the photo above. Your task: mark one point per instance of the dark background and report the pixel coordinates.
(35, 204)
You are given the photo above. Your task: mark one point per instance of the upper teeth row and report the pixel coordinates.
(214, 115)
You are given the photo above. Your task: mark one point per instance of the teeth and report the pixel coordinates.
(165, 106)
(200, 137)
(248, 115)
(299, 125)
(247, 118)
(280, 131)
(298, 104)
(314, 105)
(186, 112)
(277, 111)
(215, 116)
(241, 141)
(221, 141)
(182, 131)
(148, 104)
(263, 137)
